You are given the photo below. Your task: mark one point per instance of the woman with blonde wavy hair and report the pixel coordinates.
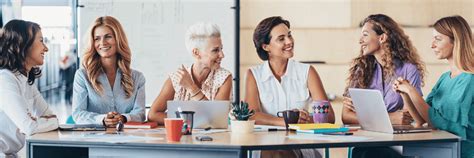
(106, 89)
(386, 53)
(449, 106)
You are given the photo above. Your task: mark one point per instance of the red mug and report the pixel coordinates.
(173, 129)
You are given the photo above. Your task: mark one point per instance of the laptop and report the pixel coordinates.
(372, 113)
(81, 127)
(208, 114)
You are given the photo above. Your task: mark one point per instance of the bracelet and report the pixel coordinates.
(195, 93)
(200, 98)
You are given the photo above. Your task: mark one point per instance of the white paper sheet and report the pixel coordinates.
(109, 138)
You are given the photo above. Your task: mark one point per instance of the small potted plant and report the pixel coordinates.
(240, 115)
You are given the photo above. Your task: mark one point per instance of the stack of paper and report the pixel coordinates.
(318, 128)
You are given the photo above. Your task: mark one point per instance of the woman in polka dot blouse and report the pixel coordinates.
(205, 79)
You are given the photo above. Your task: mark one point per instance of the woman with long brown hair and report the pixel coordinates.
(386, 53)
(449, 106)
(106, 89)
(23, 111)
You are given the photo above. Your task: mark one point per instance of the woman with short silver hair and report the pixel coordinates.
(205, 79)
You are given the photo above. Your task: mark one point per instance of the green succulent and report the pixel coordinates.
(241, 111)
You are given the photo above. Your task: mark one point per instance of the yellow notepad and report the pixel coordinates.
(307, 126)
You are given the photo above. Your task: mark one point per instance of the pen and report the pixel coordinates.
(339, 133)
(275, 129)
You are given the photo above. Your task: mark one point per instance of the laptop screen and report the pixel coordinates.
(370, 110)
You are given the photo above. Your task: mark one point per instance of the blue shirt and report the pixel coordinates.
(451, 101)
(393, 100)
(89, 107)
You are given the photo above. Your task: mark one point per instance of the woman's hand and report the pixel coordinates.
(185, 79)
(400, 117)
(347, 102)
(401, 85)
(305, 117)
(112, 119)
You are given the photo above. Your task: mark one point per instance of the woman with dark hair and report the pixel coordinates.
(300, 83)
(23, 111)
(386, 53)
(107, 91)
(449, 106)
(281, 83)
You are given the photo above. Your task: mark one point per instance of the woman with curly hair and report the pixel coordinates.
(106, 89)
(449, 106)
(23, 111)
(386, 53)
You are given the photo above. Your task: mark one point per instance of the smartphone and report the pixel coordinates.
(204, 138)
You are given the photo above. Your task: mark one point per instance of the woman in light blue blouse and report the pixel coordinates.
(106, 89)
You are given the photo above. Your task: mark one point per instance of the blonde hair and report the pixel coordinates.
(92, 63)
(458, 30)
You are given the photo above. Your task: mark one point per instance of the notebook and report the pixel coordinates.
(324, 130)
(213, 114)
(81, 127)
(145, 125)
(306, 126)
(372, 113)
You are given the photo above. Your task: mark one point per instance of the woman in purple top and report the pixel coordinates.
(386, 53)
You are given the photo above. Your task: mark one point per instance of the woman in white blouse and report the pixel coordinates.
(281, 83)
(205, 79)
(23, 111)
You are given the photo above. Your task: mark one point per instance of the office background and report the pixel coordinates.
(325, 31)
(328, 31)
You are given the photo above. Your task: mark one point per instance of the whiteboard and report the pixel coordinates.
(155, 30)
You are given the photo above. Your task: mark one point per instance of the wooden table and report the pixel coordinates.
(227, 144)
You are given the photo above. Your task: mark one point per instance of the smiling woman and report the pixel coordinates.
(104, 42)
(449, 104)
(386, 53)
(107, 91)
(281, 83)
(23, 111)
(205, 79)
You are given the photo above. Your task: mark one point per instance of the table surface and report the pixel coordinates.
(253, 141)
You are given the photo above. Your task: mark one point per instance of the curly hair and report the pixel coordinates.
(16, 38)
(398, 46)
(92, 63)
(261, 35)
(458, 30)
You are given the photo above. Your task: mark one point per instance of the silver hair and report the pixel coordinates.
(198, 35)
